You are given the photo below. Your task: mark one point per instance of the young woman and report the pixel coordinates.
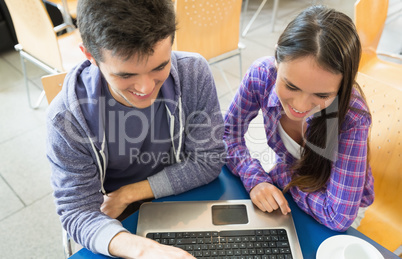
(316, 120)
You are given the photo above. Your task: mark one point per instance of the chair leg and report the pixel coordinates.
(42, 94)
(244, 12)
(273, 18)
(274, 11)
(225, 78)
(253, 18)
(66, 244)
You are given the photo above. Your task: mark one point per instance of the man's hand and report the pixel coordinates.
(127, 245)
(269, 198)
(116, 202)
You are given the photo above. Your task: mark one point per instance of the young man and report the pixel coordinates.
(135, 121)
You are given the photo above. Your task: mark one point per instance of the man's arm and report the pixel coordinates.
(76, 184)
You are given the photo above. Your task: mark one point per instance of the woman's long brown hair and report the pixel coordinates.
(331, 38)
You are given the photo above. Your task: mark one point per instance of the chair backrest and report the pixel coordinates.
(370, 16)
(34, 30)
(52, 85)
(210, 28)
(384, 101)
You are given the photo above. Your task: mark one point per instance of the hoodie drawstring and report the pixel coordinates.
(176, 151)
(102, 168)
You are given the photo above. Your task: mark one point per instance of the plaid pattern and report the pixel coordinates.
(350, 185)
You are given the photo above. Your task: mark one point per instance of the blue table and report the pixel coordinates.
(228, 187)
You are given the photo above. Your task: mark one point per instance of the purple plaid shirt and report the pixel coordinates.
(350, 185)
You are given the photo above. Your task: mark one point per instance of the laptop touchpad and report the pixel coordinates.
(229, 214)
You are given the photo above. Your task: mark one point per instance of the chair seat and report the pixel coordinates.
(70, 52)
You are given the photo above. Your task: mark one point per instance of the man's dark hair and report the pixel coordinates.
(125, 27)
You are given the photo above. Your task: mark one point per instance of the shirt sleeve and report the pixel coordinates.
(336, 206)
(243, 109)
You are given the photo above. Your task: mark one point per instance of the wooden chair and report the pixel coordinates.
(210, 28)
(370, 17)
(383, 219)
(38, 40)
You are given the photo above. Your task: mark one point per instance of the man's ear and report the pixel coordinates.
(87, 54)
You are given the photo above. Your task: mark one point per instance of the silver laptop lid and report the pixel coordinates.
(186, 216)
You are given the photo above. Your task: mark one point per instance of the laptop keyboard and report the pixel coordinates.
(234, 244)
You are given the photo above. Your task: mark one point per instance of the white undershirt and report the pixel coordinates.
(292, 146)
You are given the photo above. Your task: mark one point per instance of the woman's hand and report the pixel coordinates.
(269, 198)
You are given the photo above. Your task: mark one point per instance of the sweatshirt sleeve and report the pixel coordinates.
(200, 136)
(76, 184)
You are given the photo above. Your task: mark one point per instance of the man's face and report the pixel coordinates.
(136, 82)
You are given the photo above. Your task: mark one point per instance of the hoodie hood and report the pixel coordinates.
(83, 99)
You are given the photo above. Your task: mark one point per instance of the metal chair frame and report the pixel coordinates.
(250, 23)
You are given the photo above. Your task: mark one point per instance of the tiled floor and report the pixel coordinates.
(29, 226)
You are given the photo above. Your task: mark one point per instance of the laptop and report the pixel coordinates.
(220, 229)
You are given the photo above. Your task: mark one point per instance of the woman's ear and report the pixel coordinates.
(87, 54)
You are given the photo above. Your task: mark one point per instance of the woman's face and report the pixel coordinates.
(304, 88)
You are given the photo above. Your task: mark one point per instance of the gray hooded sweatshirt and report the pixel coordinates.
(78, 149)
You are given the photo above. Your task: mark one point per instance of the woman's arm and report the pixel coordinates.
(243, 109)
(337, 204)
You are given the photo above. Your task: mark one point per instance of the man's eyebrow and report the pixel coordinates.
(124, 74)
(297, 88)
(161, 65)
(127, 74)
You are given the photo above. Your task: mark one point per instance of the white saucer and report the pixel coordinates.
(333, 247)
